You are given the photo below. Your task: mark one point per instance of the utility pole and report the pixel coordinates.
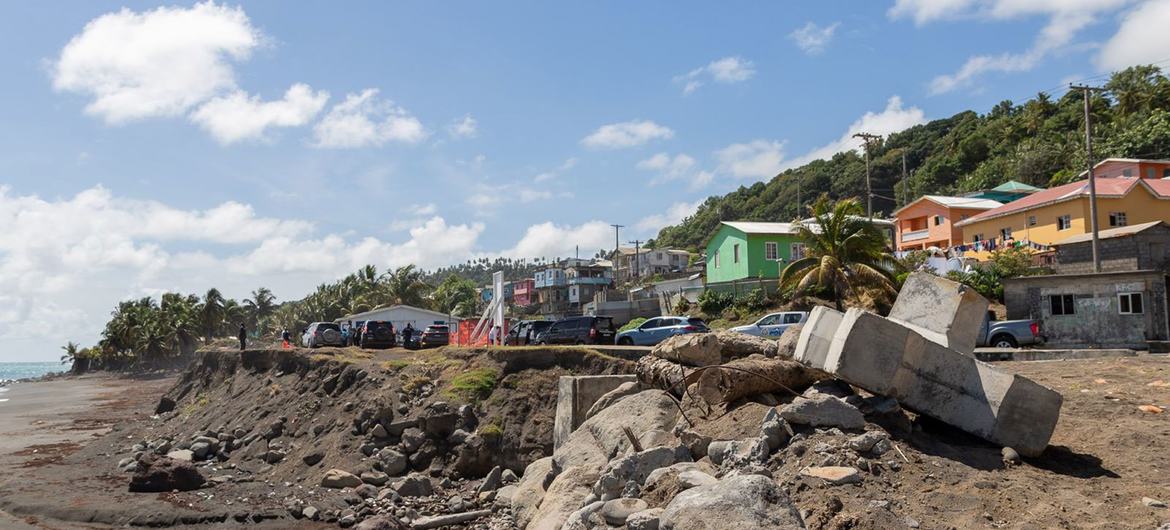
(617, 248)
(867, 138)
(637, 257)
(799, 215)
(903, 176)
(1088, 91)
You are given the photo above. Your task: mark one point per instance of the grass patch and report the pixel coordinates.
(474, 385)
(395, 365)
(491, 430)
(196, 404)
(414, 384)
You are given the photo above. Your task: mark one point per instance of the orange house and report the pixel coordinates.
(1130, 168)
(930, 221)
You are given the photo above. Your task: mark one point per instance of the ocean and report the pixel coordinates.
(10, 371)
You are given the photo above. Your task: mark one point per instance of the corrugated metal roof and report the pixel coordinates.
(762, 228)
(1121, 231)
(1107, 187)
(964, 202)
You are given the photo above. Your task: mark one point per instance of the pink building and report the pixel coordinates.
(524, 292)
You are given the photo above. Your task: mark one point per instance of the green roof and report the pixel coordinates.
(1013, 186)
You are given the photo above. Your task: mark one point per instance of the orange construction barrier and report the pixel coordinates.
(284, 344)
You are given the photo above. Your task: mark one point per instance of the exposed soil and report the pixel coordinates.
(1105, 456)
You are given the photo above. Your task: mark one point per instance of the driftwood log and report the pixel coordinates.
(752, 376)
(662, 374)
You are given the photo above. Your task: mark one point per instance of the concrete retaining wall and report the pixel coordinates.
(575, 395)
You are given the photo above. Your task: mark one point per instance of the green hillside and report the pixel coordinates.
(1039, 142)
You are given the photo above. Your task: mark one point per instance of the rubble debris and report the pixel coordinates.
(750, 376)
(823, 410)
(159, 473)
(890, 358)
(834, 475)
(741, 502)
(440, 521)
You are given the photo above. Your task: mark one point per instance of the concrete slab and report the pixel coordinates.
(815, 336)
(944, 311)
(575, 395)
(885, 357)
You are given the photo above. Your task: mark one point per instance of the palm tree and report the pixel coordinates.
(843, 253)
(260, 307)
(71, 350)
(211, 313)
(404, 286)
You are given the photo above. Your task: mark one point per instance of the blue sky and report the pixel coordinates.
(148, 147)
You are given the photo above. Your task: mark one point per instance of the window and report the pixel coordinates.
(651, 324)
(1127, 172)
(1005, 233)
(735, 253)
(770, 320)
(938, 220)
(1150, 172)
(1166, 173)
(1130, 303)
(792, 318)
(1031, 220)
(796, 251)
(977, 238)
(1064, 222)
(1117, 219)
(771, 251)
(963, 217)
(716, 259)
(1062, 304)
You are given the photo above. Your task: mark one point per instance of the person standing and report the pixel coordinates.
(407, 333)
(243, 335)
(493, 335)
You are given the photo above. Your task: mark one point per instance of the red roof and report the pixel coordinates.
(1106, 187)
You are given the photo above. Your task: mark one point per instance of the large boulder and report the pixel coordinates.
(439, 420)
(159, 473)
(530, 490)
(692, 349)
(786, 344)
(741, 502)
(601, 437)
(337, 478)
(609, 398)
(823, 410)
(636, 467)
(565, 495)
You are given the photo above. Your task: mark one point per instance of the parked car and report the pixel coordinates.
(525, 332)
(1009, 333)
(376, 334)
(579, 330)
(435, 335)
(322, 334)
(658, 329)
(774, 324)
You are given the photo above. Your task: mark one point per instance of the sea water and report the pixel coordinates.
(13, 371)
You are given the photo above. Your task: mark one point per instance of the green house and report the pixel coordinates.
(749, 250)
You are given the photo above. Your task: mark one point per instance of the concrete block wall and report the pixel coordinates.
(575, 395)
(946, 312)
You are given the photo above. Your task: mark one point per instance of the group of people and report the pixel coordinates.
(352, 335)
(496, 336)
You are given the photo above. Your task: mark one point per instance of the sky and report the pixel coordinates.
(149, 147)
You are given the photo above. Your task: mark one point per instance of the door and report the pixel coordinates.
(769, 324)
(646, 332)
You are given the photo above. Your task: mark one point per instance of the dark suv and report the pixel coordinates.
(435, 335)
(579, 330)
(377, 334)
(525, 332)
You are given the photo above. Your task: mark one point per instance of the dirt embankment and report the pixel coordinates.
(264, 426)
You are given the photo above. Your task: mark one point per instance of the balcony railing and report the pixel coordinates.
(915, 235)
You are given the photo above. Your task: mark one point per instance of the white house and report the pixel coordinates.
(400, 315)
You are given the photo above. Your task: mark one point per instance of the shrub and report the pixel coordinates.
(713, 302)
(632, 324)
(474, 385)
(755, 300)
(682, 307)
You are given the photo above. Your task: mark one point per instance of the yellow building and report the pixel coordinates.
(1049, 216)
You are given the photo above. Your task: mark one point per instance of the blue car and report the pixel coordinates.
(658, 329)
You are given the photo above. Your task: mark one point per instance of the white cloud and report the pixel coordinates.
(161, 62)
(466, 127)
(726, 70)
(1140, 39)
(894, 118)
(568, 164)
(1066, 18)
(758, 159)
(677, 167)
(363, 120)
(549, 240)
(626, 134)
(422, 209)
(813, 39)
(237, 116)
(678, 211)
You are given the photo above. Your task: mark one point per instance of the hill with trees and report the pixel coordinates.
(1039, 142)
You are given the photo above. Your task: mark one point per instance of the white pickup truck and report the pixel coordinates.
(773, 324)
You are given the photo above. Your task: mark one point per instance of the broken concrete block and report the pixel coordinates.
(944, 311)
(888, 358)
(813, 345)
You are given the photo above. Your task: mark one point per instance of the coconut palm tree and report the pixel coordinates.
(404, 286)
(259, 307)
(844, 252)
(211, 313)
